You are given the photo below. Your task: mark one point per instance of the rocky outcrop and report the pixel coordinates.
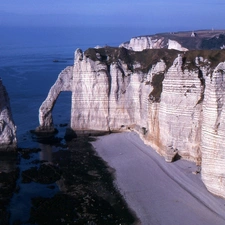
(141, 43)
(175, 45)
(181, 41)
(8, 139)
(213, 131)
(174, 100)
(63, 83)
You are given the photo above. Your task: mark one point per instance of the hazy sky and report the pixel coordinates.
(164, 14)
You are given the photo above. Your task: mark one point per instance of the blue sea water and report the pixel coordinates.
(28, 72)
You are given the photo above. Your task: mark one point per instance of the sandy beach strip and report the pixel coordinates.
(159, 193)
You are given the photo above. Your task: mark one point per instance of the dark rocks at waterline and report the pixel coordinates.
(44, 131)
(9, 173)
(80, 188)
(87, 196)
(66, 209)
(44, 174)
(45, 136)
(49, 136)
(26, 152)
(70, 134)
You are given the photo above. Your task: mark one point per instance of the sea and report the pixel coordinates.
(28, 71)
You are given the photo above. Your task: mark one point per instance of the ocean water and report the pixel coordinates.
(28, 72)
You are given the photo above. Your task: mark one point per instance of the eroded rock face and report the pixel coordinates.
(63, 83)
(90, 90)
(174, 100)
(8, 139)
(213, 131)
(180, 113)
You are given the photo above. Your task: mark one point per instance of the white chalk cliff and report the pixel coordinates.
(181, 41)
(174, 100)
(8, 139)
(141, 43)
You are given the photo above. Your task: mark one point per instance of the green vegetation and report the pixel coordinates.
(157, 87)
(149, 57)
(145, 58)
(213, 56)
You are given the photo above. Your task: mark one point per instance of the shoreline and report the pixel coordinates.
(158, 192)
(61, 184)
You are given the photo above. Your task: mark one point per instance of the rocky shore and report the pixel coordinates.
(82, 182)
(9, 173)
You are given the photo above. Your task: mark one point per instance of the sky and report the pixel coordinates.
(159, 15)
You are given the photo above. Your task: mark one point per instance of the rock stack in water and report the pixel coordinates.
(174, 99)
(8, 139)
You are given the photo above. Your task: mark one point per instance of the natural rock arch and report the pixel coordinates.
(183, 118)
(63, 83)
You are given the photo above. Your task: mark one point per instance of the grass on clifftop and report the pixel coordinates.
(146, 58)
(213, 56)
(149, 57)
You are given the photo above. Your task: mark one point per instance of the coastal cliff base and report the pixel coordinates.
(70, 185)
(159, 192)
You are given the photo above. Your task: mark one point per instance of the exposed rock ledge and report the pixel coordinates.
(8, 139)
(174, 100)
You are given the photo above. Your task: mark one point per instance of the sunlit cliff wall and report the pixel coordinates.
(174, 100)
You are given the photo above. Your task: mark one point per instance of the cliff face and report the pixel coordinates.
(8, 139)
(175, 100)
(213, 131)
